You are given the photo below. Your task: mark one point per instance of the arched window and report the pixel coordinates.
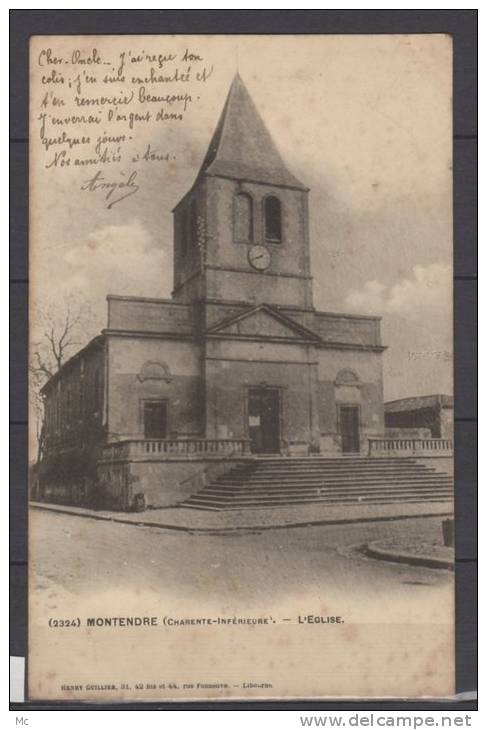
(244, 219)
(347, 376)
(272, 219)
(154, 370)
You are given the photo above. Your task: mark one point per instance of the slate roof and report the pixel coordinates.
(418, 402)
(94, 342)
(241, 146)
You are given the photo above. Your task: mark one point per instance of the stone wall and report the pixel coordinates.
(189, 242)
(407, 433)
(232, 367)
(258, 288)
(366, 393)
(163, 483)
(142, 369)
(348, 329)
(447, 424)
(290, 258)
(136, 314)
(74, 428)
(215, 312)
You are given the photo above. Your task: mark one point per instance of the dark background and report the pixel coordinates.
(462, 26)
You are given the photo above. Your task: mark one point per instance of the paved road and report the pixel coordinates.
(78, 555)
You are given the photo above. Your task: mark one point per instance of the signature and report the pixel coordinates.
(115, 192)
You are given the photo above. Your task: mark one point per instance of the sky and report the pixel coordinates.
(363, 121)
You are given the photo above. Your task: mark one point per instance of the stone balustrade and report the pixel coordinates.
(410, 446)
(150, 449)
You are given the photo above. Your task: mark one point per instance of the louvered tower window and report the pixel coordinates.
(244, 222)
(272, 219)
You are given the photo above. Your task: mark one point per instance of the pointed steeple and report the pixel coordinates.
(241, 146)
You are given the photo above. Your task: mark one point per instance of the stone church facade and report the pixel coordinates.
(238, 364)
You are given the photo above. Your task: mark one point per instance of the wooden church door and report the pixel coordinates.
(264, 420)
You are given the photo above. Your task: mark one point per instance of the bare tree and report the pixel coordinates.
(59, 333)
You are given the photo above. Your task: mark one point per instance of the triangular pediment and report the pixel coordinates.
(263, 322)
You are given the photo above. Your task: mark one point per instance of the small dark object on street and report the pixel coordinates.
(448, 527)
(140, 502)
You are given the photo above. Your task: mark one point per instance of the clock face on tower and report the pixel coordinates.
(259, 257)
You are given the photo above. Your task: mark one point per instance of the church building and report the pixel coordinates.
(237, 364)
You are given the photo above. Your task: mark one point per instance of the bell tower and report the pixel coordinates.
(241, 232)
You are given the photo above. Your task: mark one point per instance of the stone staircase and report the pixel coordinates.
(282, 481)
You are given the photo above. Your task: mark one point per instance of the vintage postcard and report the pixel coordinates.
(241, 412)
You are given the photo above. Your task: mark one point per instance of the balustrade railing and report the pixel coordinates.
(161, 448)
(410, 446)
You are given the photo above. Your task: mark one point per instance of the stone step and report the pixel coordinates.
(230, 494)
(250, 468)
(290, 463)
(278, 481)
(404, 469)
(320, 494)
(330, 472)
(221, 505)
(373, 464)
(341, 489)
(328, 483)
(230, 491)
(307, 460)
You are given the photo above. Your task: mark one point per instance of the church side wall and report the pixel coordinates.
(73, 429)
(177, 380)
